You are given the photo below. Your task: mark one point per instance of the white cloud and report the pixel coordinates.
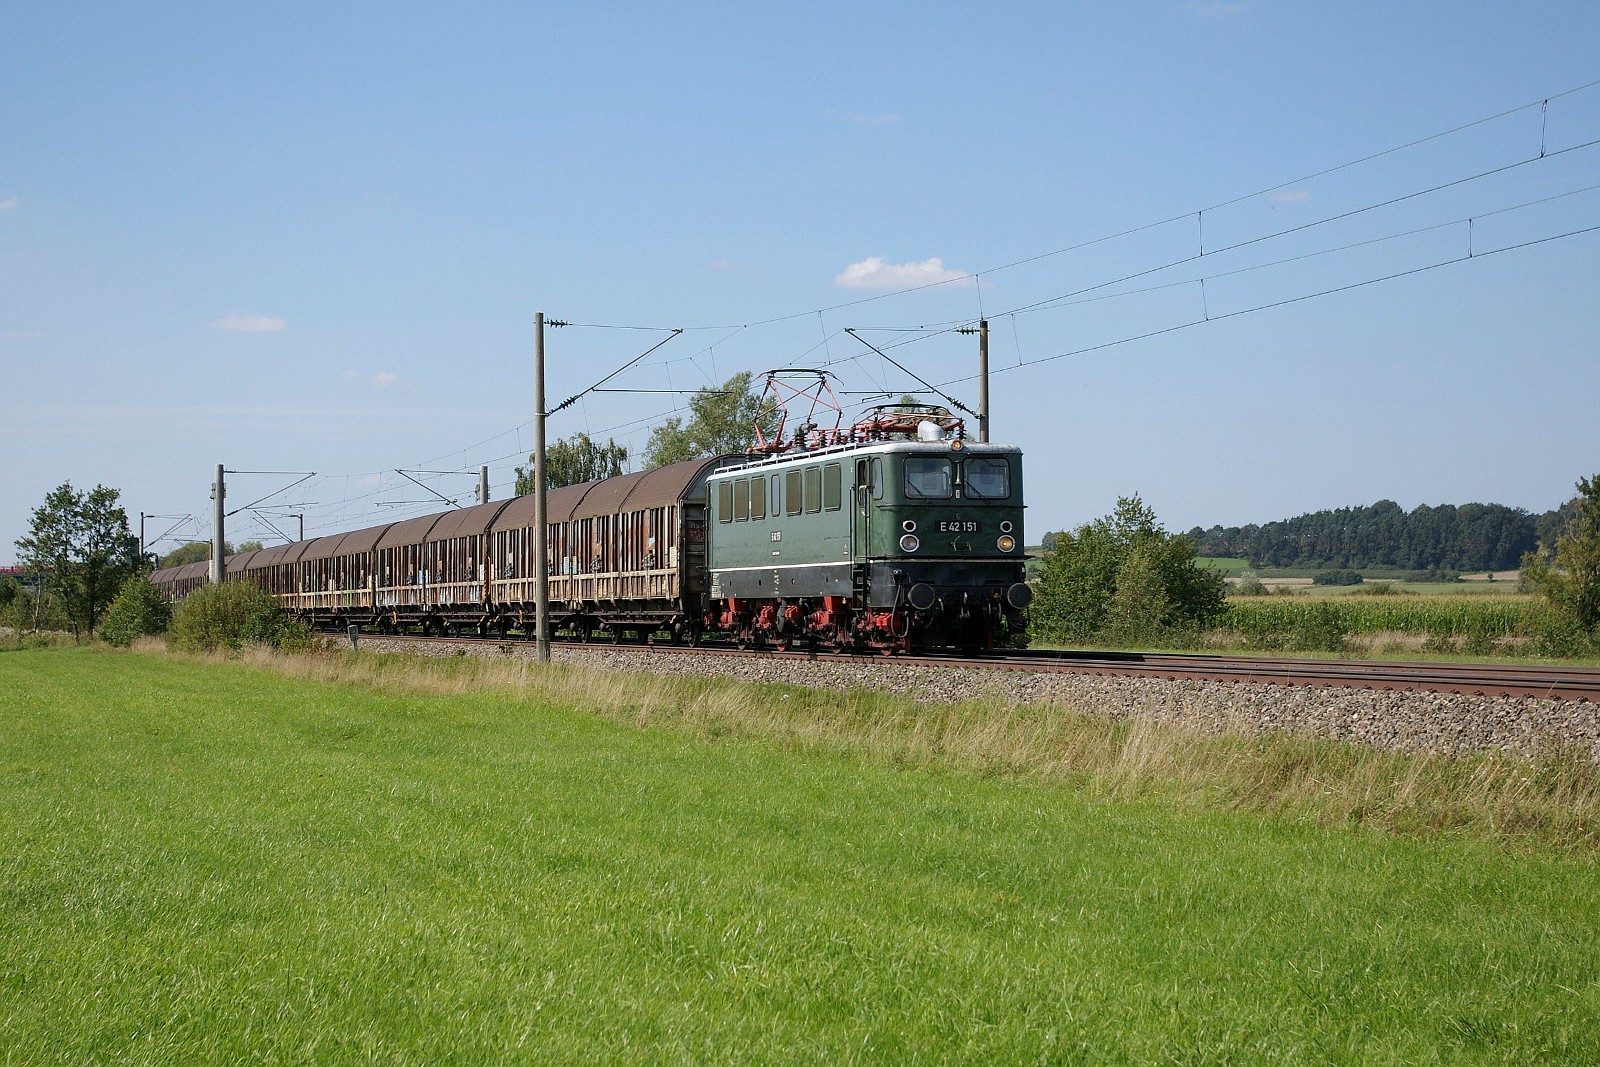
(1292, 196)
(875, 272)
(8, 204)
(383, 379)
(237, 323)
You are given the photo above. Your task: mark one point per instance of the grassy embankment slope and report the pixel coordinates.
(214, 863)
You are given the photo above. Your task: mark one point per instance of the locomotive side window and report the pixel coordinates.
(758, 497)
(777, 494)
(813, 489)
(791, 492)
(741, 499)
(875, 479)
(832, 487)
(988, 478)
(725, 502)
(928, 478)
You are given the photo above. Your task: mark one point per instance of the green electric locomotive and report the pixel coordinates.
(901, 536)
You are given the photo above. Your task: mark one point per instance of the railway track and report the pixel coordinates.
(1476, 679)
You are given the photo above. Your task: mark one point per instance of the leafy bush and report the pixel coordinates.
(33, 610)
(1336, 577)
(138, 611)
(1250, 586)
(1124, 579)
(232, 615)
(1555, 633)
(1381, 589)
(1568, 574)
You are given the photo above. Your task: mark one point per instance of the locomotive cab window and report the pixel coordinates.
(832, 487)
(987, 478)
(929, 478)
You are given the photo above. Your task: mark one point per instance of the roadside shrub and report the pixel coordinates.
(1250, 586)
(232, 615)
(139, 610)
(1556, 634)
(33, 611)
(1380, 589)
(1336, 577)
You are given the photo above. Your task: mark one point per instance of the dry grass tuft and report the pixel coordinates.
(1552, 801)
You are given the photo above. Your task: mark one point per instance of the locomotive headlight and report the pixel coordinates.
(1005, 527)
(1006, 543)
(909, 526)
(909, 543)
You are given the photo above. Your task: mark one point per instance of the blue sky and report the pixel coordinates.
(313, 237)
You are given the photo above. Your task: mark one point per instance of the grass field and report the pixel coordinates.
(209, 862)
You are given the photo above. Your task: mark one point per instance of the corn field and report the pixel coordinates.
(1260, 618)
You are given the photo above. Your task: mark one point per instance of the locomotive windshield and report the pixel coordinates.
(928, 478)
(988, 478)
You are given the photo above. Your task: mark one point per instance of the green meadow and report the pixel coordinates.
(223, 862)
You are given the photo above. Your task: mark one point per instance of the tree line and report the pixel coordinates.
(1469, 537)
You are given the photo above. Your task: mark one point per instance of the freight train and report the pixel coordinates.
(894, 534)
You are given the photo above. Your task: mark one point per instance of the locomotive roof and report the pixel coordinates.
(855, 448)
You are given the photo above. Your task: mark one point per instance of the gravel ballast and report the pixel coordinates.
(1444, 723)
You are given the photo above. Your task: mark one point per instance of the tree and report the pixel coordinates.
(1124, 578)
(573, 460)
(1568, 575)
(191, 552)
(721, 421)
(138, 611)
(81, 550)
(196, 551)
